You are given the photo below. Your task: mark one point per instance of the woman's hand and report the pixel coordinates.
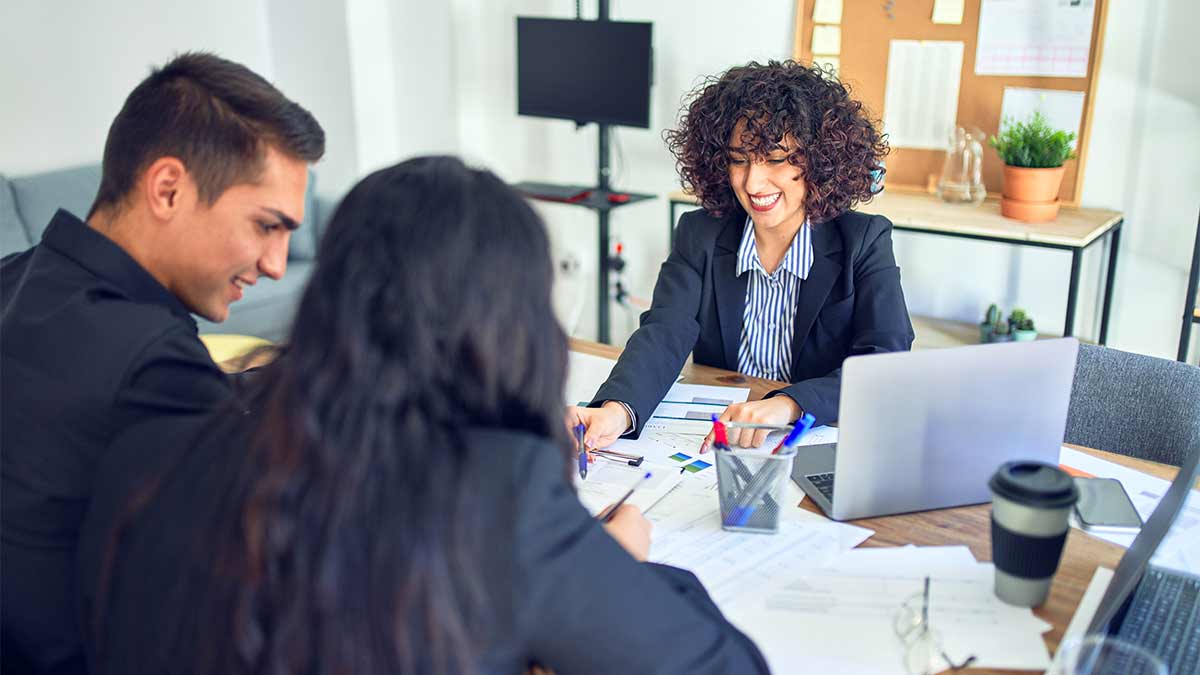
(631, 530)
(775, 410)
(604, 424)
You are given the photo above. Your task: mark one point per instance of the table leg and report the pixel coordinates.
(1072, 292)
(671, 227)
(1114, 245)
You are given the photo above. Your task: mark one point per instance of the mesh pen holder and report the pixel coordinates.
(751, 485)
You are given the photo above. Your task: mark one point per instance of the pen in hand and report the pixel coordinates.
(607, 514)
(580, 429)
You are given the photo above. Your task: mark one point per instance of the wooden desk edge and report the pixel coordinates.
(967, 525)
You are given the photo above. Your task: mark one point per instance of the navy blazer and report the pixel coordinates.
(851, 303)
(560, 591)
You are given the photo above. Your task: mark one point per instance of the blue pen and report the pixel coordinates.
(583, 455)
(748, 504)
(802, 425)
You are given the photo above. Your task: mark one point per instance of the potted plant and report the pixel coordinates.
(1001, 331)
(989, 321)
(1033, 153)
(1021, 326)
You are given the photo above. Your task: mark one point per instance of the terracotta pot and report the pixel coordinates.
(1029, 212)
(1032, 185)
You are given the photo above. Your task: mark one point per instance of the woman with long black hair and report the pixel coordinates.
(391, 494)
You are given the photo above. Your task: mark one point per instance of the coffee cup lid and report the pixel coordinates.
(1035, 484)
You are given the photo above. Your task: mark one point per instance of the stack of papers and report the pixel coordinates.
(687, 533)
(821, 620)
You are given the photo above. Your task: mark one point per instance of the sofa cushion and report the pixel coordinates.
(303, 244)
(13, 237)
(40, 195)
(267, 308)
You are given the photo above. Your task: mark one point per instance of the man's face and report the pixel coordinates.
(218, 250)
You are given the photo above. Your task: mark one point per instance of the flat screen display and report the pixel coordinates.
(587, 71)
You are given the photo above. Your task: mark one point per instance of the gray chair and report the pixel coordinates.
(1134, 405)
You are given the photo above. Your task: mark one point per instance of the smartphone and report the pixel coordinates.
(1104, 506)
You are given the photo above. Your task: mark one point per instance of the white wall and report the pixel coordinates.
(66, 67)
(392, 79)
(310, 55)
(691, 39)
(1144, 160)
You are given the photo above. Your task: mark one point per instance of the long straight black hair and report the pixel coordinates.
(351, 530)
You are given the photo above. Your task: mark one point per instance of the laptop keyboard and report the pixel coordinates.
(823, 482)
(1164, 618)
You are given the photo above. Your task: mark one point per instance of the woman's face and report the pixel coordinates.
(769, 188)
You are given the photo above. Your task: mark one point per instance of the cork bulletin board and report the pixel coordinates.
(867, 29)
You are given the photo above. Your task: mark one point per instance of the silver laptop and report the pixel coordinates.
(926, 429)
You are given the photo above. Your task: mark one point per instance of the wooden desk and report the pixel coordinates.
(1075, 230)
(967, 525)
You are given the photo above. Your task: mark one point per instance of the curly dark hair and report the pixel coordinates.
(838, 145)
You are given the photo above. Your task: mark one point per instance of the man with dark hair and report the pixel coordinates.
(204, 173)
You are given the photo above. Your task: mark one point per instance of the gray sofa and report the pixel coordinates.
(28, 202)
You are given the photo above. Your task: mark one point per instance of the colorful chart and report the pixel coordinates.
(697, 466)
(680, 457)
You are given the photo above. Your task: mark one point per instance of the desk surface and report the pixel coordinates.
(1075, 227)
(967, 525)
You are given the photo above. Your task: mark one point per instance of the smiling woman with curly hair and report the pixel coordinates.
(775, 276)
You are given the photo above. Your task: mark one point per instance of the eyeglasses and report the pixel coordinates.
(923, 652)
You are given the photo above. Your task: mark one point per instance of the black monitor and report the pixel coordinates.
(586, 71)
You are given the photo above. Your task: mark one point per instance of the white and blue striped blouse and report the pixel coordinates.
(769, 315)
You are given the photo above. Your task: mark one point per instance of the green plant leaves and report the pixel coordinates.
(1033, 144)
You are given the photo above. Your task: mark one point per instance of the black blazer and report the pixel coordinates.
(562, 593)
(851, 303)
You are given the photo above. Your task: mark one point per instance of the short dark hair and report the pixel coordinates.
(218, 117)
(839, 147)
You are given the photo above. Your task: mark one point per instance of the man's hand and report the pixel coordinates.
(779, 409)
(604, 424)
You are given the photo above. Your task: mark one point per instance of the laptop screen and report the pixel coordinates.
(1133, 563)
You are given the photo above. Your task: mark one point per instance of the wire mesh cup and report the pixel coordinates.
(751, 484)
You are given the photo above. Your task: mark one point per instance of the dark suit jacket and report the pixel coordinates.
(851, 303)
(562, 593)
(91, 344)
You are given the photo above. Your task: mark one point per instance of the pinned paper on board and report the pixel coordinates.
(1062, 109)
(827, 11)
(921, 97)
(827, 40)
(1034, 37)
(948, 11)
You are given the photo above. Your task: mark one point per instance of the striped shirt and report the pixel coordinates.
(770, 311)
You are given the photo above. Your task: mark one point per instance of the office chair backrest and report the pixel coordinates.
(1135, 405)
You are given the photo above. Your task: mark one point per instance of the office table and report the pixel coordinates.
(1075, 230)
(966, 525)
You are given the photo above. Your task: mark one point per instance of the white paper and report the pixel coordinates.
(704, 393)
(1034, 37)
(1180, 549)
(731, 563)
(921, 97)
(948, 11)
(827, 11)
(820, 620)
(1085, 611)
(608, 481)
(585, 374)
(827, 40)
(1062, 109)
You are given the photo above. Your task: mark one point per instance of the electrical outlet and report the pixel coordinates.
(569, 264)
